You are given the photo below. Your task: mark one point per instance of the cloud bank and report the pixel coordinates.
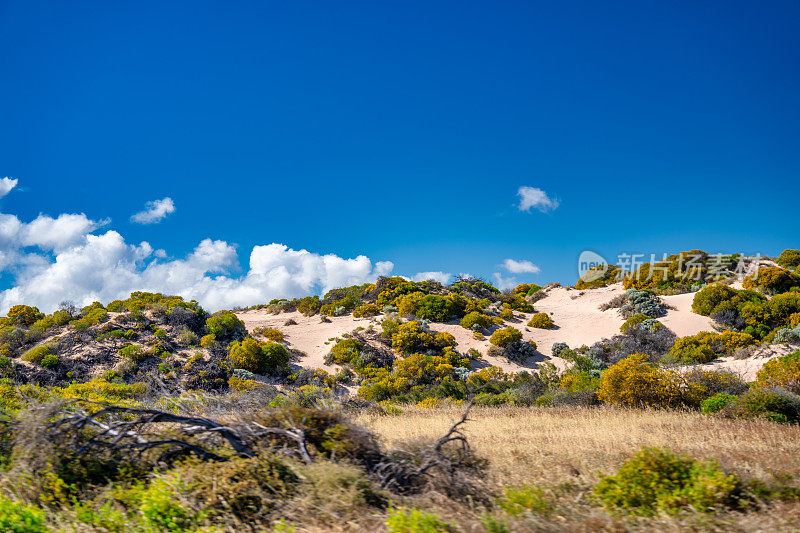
(532, 197)
(65, 258)
(154, 212)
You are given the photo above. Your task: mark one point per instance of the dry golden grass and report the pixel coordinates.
(571, 446)
(525, 444)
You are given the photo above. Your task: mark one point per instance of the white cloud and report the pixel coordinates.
(155, 211)
(520, 267)
(56, 259)
(441, 277)
(504, 283)
(6, 184)
(533, 197)
(104, 268)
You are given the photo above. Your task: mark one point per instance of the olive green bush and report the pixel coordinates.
(225, 327)
(259, 357)
(789, 259)
(505, 336)
(658, 480)
(541, 321)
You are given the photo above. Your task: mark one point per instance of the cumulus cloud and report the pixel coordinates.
(532, 197)
(154, 212)
(503, 283)
(105, 267)
(6, 184)
(65, 258)
(520, 267)
(441, 277)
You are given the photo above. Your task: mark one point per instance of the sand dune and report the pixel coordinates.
(575, 312)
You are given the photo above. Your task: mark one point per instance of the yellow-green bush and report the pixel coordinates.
(474, 318)
(366, 310)
(707, 346)
(781, 372)
(57, 319)
(541, 321)
(599, 276)
(24, 315)
(259, 357)
(101, 390)
(680, 272)
(92, 317)
(789, 259)
(17, 517)
(272, 334)
(225, 326)
(636, 319)
(635, 382)
(415, 521)
(36, 354)
(503, 337)
(411, 337)
(658, 480)
(772, 280)
(526, 499)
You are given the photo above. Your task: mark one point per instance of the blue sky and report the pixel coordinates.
(403, 130)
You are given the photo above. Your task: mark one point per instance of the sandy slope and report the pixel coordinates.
(575, 312)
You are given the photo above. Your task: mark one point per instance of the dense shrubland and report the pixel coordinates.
(682, 272)
(287, 451)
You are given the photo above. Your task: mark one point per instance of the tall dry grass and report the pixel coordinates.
(525, 444)
(570, 447)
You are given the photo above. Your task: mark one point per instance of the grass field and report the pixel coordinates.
(564, 451)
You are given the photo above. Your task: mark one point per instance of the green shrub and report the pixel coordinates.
(781, 372)
(789, 259)
(599, 276)
(91, 317)
(776, 405)
(49, 361)
(716, 403)
(345, 351)
(225, 326)
(16, 517)
(503, 337)
(55, 320)
(708, 299)
(772, 280)
(366, 310)
(272, 334)
(37, 354)
(476, 318)
(434, 308)
(541, 321)
(633, 321)
(309, 305)
(415, 521)
(24, 315)
(161, 509)
(259, 357)
(410, 337)
(658, 480)
(706, 346)
(526, 499)
(133, 352)
(635, 382)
